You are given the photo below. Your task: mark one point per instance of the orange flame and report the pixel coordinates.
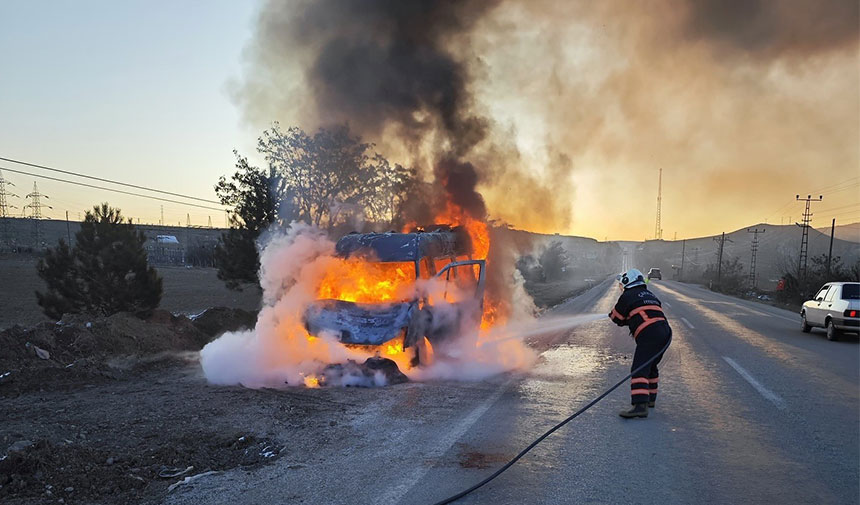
(479, 233)
(453, 215)
(394, 350)
(428, 351)
(478, 230)
(362, 281)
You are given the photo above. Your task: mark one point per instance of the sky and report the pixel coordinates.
(586, 103)
(136, 91)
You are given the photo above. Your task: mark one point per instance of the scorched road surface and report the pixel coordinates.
(751, 410)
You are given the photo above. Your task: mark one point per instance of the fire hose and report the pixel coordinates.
(552, 430)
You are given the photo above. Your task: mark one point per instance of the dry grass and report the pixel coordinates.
(186, 291)
(550, 294)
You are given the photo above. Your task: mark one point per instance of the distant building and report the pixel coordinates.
(165, 250)
(166, 239)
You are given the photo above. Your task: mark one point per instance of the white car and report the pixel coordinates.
(836, 307)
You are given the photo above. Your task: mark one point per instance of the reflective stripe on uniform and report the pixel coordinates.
(639, 392)
(642, 309)
(646, 319)
(648, 322)
(639, 380)
(617, 315)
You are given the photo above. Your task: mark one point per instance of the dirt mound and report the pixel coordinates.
(77, 472)
(218, 320)
(79, 347)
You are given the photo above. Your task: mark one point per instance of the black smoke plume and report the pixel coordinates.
(378, 63)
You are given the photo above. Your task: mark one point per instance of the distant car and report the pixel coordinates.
(654, 273)
(835, 307)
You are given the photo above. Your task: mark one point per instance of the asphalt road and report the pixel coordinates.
(751, 410)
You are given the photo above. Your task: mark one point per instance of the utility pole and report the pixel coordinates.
(187, 238)
(830, 252)
(753, 250)
(722, 241)
(5, 206)
(210, 222)
(683, 256)
(36, 212)
(161, 221)
(804, 240)
(658, 230)
(68, 229)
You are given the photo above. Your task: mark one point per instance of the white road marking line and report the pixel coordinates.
(741, 305)
(439, 448)
(688, 323)
(769, 314)
(667, 304)
(760, 313)
(767, 393)
(763, 313)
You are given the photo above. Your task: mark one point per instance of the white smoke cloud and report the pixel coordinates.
(279, 351)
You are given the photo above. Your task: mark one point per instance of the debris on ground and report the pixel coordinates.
(172, 472)
(375, 371)
(78, 471)
(217, 320)
(40, 353)
(115, 411)
(192, 478)
(86, 348)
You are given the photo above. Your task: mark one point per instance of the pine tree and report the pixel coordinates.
(252, 194)
(106, 272)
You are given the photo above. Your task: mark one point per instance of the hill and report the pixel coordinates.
(849, 232)
(779, 249)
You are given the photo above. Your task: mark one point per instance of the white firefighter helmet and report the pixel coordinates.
(630, 278)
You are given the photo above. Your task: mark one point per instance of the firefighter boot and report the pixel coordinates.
(652, 403)
(638, 410)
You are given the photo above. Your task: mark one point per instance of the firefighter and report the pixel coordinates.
(642, 313)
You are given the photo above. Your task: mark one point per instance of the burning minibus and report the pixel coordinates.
(409, 292)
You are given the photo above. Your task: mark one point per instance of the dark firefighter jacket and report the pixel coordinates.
(638, 308)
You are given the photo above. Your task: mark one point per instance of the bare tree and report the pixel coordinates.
(330, 171)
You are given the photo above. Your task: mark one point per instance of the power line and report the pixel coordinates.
(109, 189)
(67, 172)
(849, 182)
(840, 208)
(832, 188)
